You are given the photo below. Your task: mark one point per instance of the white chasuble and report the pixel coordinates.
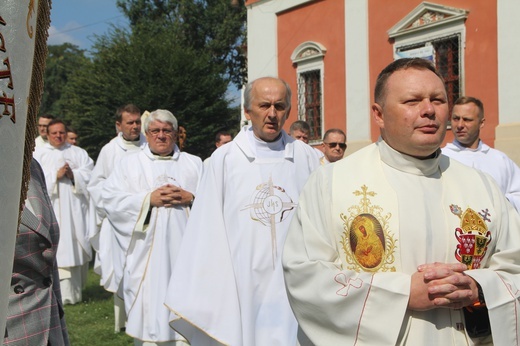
(69, 200)
(227, 286)
(493, 162)
(362, 227)
(150, 237)
(109, 259)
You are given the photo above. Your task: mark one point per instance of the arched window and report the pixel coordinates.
(437, 33)
(308, 59)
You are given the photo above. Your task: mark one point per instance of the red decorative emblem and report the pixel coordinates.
(473, 236)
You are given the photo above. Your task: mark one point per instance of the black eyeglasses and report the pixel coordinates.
(334, 144)
(155, 132)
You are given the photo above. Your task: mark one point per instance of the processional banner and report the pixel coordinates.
(23, 49)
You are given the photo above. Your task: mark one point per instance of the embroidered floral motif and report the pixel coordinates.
(366, 241)
(473, 236)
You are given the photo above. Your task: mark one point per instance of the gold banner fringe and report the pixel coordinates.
(35, 93)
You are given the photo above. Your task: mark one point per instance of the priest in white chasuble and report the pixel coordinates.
(467, 120)
(109, 255)
(398, 244)
(147, 199)
(67, 171)
(227, 286)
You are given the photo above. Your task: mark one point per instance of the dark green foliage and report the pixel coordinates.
(215, 26)
(176, 55)
(62, 62)
(151, 70)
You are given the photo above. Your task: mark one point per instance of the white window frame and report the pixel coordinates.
(405, 33)
(308, 57)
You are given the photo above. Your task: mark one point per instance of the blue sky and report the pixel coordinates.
(77, 21)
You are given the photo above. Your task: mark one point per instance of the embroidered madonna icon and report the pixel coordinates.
(366, 241)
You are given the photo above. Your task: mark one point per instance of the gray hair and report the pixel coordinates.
(330, 131)
(248, 91)
(161, 115)
(300, 125)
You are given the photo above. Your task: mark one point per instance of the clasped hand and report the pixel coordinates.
(441, 285)
(170, 195)
(65, 171)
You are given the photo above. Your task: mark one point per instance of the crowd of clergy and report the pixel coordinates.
(194, 251)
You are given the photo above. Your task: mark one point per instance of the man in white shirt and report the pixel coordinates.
(466, 121)
(72, 136)
(67, 171)
(109, 255)
(398, 244)
(333, 146)
(147, 199)
(301, 131)
(221, 138)
(43, 121)
(227, 286)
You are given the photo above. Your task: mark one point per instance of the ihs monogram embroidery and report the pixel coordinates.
(270, 205)
(473, 236)
(367, 242)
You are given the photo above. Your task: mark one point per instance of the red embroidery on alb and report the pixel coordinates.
(347, 283)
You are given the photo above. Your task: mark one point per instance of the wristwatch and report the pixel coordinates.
(481, 301)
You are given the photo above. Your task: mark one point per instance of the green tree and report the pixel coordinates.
(152, 69)
(62, 61)
(179, 55)
(215, 26)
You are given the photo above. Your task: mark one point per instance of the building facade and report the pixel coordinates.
(331, 51)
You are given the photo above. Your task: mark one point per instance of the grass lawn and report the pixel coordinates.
(91, 322)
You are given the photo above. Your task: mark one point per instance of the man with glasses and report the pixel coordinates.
(333, 146)
(147, 199)
(43, 121)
